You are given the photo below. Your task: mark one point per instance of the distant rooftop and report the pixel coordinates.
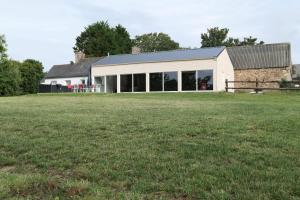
(80, 69)
(260, 56)
(296, 71)
(162, 56)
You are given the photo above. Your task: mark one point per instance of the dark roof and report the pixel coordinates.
(80, 69)
(296, 71)
(260, 56)
(162, 56)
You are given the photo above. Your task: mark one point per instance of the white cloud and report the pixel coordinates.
(46, 30)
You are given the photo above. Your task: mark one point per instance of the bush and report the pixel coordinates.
(9, 78)
(286, 84)
(31, 75)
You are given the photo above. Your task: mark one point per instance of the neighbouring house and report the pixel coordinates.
(296, 72)
(71, 74)
(268, 62)
(204, 69)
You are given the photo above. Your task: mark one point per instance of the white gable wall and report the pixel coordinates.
(224, 70)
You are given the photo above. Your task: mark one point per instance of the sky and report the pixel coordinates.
(46, 30)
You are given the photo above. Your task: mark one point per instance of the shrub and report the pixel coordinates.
(9, 78)
(31, 75)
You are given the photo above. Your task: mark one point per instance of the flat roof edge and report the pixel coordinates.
(135, 63)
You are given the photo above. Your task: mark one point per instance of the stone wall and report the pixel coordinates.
(266, 74)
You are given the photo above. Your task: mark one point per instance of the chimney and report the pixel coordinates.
(135, 50)
(79, 56)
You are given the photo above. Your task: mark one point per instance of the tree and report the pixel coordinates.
(155, 42)
(3, 47)
(250, 41)
(17, 77)
(31, 74)
(9, 77)
(99, 39)
(122, 40)
(219, 37)
(214, 37)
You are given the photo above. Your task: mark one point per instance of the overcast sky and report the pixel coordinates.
(46, 29)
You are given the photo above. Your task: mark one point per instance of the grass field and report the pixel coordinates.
(150, 146)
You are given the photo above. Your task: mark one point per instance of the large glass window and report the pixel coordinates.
(139, 82)
(189, 81)
(170, 81)
(156, 82)
(126, 83)
(205, 80)
(111, 84)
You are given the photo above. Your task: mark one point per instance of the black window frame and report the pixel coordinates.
(130, 82)
(143, 88)
(159, 85)
(188, 85)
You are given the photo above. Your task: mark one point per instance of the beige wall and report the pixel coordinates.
(224, 70)
(178, 66)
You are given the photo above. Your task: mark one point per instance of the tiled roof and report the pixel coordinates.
(80, 69)
(260, 56)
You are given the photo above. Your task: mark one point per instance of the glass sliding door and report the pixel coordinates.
(126, 83)
(189, 81)
(205, 80)
(100, 84)
(156, 82)
(111, 84)
(170, 81)
(139, 81)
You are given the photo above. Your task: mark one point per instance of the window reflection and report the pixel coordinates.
(189, 81)
(156, 82)
(205, 80)
(139, 82)
(126, 83)
(170, 81)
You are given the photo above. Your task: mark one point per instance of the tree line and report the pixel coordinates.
(100, 39)
(17, 78)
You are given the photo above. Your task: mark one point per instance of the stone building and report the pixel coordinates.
(269, 62)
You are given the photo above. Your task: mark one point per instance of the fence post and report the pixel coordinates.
(256, 86)
(226, 85)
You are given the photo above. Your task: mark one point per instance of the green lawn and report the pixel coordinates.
(150, 146)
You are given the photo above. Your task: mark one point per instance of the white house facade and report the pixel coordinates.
(66, 81)
(194, 70)
(78, 73)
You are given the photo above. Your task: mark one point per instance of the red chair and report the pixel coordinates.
(70, 87)
(80, 87)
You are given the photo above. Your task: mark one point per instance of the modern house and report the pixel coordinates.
(268, 62)
(204, 69)
(186, 70)
(71, 74)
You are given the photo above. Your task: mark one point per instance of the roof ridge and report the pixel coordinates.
(260, 45)
(61, 65)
